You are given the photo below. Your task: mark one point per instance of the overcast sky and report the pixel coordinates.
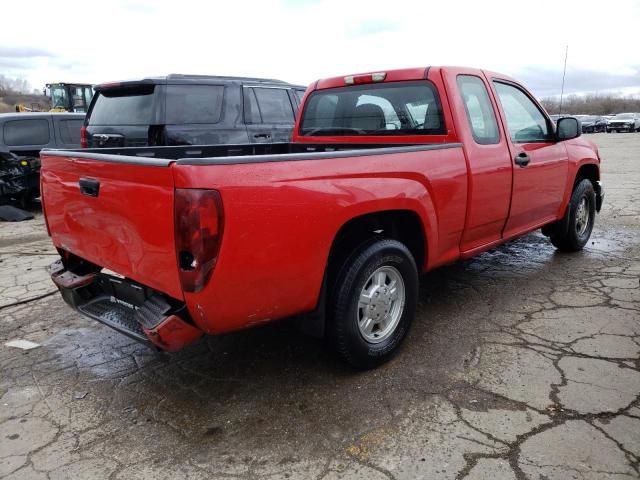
(302, 40)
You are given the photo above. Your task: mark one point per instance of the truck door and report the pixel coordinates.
(268, 114)
(488, 158)
(540, 163)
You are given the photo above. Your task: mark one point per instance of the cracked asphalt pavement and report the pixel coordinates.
(522, 363)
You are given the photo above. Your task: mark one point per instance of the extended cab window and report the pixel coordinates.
(525, 121)
(399, 108)
(189, 104)
(479, 110)
(26, 132)
(274, 105)
(123, 106)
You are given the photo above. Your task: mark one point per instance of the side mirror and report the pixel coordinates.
(568, 128)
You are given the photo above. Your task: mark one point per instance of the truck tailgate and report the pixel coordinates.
(114, 212)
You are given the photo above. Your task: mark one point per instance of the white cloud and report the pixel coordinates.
(300, 41)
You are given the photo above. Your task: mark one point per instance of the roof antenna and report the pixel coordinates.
(564, 72)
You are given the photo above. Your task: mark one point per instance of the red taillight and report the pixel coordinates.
(198, 224)
(83, 137)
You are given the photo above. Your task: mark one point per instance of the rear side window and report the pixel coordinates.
(26, 132)
(125, 106)
(70, 131)
(480, 114)
(398, 108)
(274, 105)
(299, 94)
(251, 110)
(188, 104)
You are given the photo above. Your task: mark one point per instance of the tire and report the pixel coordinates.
(367, 334)
(572, 233)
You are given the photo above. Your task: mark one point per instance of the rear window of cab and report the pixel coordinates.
(394, 108)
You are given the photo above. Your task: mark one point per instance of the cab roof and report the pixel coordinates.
(404, 74)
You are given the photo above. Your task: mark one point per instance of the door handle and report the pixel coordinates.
(89, 187)
(522, 159)
(262, 135)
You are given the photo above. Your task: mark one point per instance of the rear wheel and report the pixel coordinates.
(573, 232)
(373, 303)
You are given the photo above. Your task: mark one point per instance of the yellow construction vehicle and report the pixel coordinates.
(63, 97)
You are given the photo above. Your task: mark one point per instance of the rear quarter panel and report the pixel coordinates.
(281, 219)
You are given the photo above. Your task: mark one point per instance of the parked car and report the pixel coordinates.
(593, 123)
(28, 133)
(191, 110)
(19, 178)
(388, 175)
(624, 122)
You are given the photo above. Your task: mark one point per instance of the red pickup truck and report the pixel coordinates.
(389, 174)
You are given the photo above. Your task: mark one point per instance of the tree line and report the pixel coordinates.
(17, 90)
(10, 86)
(592, 104)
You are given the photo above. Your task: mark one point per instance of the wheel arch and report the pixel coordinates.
(589, 171)
(403, 225)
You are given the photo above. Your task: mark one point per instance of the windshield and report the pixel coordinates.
(624, 115)
(587, 118)
(59, 97)
(399, 108)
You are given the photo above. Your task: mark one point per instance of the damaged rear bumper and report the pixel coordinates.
(126, 306)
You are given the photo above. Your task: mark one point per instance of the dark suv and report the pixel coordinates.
(28, 133)
(191, 110)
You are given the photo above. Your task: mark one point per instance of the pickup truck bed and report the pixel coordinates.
(168, 243)
(128, 227)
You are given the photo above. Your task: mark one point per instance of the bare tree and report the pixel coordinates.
(593, 104)
(14, 85)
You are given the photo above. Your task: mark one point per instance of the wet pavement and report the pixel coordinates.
(522, 363)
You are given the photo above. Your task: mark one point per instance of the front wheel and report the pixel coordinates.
(579, 218)
(373, 303)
